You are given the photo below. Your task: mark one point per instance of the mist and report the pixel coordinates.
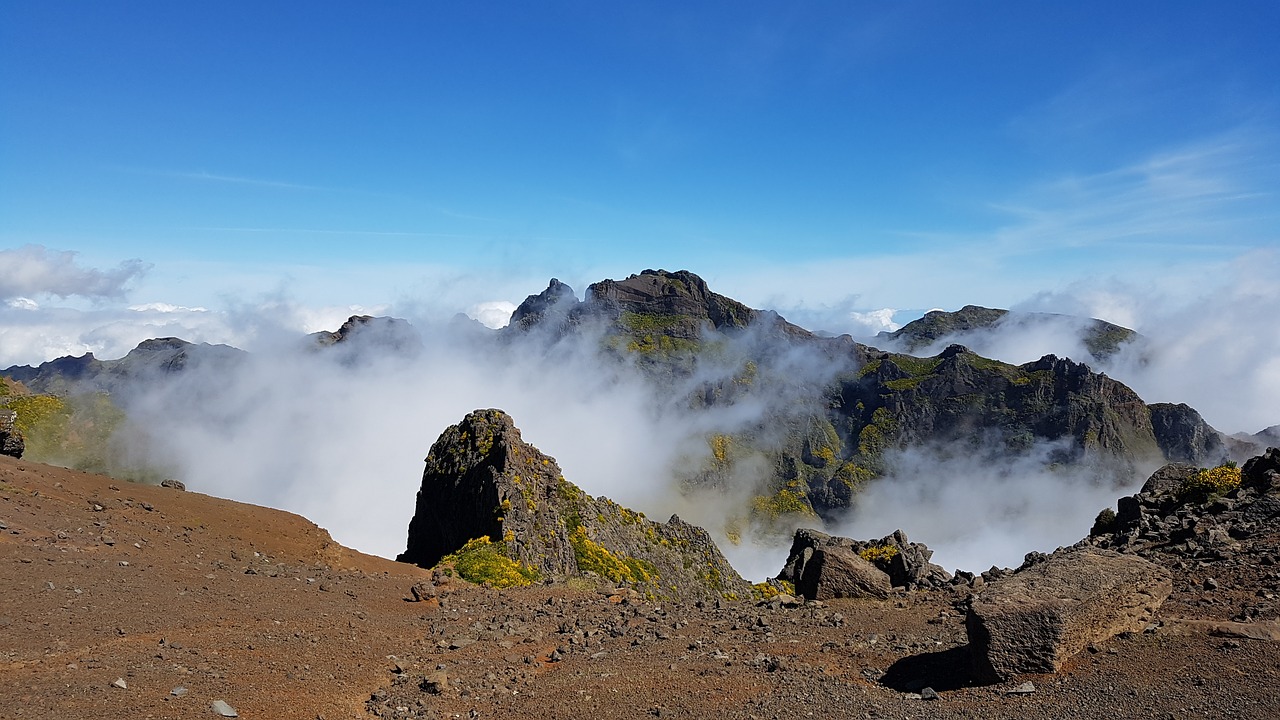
(982, 506)
(338, 435)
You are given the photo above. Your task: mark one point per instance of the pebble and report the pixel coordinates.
(1025, 688)
(928, 694)
(178, 691)
(120, 683)
(223, 709)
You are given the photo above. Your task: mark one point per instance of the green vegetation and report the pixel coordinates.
(596, 558)
(1210, 483)
(783, 502)
(570, 504)
(484, 563)
(878, 554)
(76, 432)
(772, 589)
(640, 323)
(914, 366)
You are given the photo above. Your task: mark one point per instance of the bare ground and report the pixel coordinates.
(163, 589)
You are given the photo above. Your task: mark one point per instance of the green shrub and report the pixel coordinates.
(1209, 483)
(1104, 523)
(482, 562)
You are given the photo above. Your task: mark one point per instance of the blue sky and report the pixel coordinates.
(820, 158)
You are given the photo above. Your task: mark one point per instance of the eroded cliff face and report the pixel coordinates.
(483, 481)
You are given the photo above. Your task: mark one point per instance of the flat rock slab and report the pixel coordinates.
(1034, 620)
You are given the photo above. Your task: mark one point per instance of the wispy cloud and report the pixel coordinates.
(1209, 195)
(241, 180)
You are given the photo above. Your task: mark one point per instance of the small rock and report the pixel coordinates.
(928, 693)
(178, 691)
(1025, 688)
(223, 709)
(1210, 584)
(120, 683)
(435, 683)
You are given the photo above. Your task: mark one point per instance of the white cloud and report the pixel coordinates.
(165, 308)
(493, 314)
(34, 270)
(873, 321)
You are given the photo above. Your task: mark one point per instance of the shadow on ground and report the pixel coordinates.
(943, 670)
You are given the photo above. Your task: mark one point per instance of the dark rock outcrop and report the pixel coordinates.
(1184, 436)
(1035, 619)
(902, 563)
(551, 306)
(483, 480)
(11, 440)
(367, 333)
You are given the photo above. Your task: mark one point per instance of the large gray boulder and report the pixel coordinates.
(1037, 618)
(838, 572)
(905, 563)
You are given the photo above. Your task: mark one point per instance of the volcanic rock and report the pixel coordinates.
(11, 441)
(903, 564)
(482, 481)
(1035, 619)
(838, 572)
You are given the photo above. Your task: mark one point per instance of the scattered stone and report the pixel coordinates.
(120, 683)
(929, 693)
(435, 683)
(179, 691)
(423, 591)
(1025, 688)
(176, 485)
(1210, 584)
(223, 709)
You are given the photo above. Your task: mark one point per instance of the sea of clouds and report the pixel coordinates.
(339, 437)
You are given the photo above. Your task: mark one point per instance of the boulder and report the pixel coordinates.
(906, 564)
(838, 572)
(1035, 619)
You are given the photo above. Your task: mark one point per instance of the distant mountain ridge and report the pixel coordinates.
(150, 360)
(1101, 338)
(832, 411)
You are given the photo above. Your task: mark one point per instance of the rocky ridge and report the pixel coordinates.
(1101, 338)
(491, 502)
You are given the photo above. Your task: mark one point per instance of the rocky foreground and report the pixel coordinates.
(150, 602)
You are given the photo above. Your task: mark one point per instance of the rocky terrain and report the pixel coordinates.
(127, 600)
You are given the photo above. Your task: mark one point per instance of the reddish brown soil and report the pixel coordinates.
(259, 608)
